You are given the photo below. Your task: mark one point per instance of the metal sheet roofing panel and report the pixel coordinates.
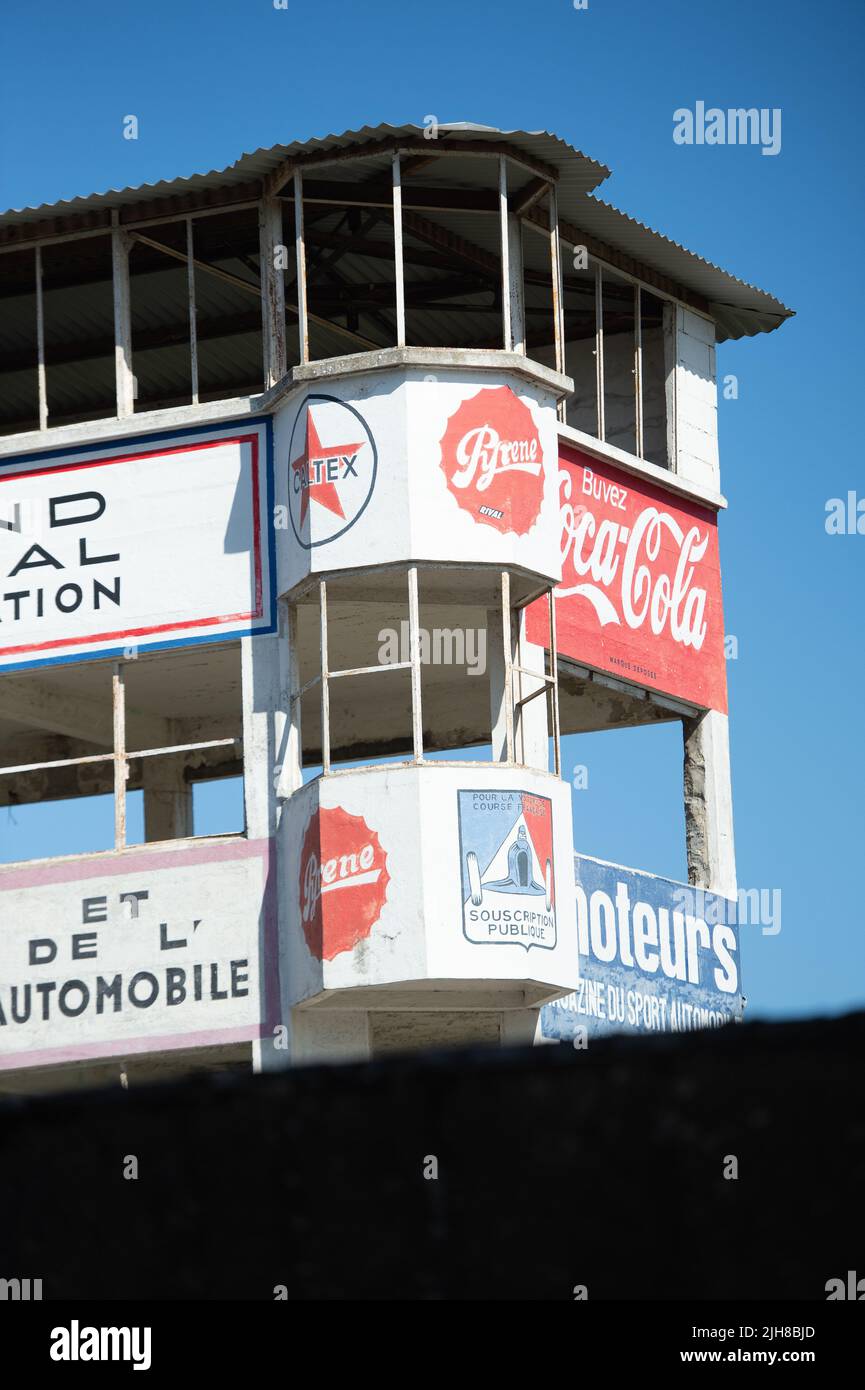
(738, 308)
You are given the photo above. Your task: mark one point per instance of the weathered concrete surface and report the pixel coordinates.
(555, 1168)
(709, 803)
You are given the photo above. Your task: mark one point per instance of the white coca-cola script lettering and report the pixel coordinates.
(622, 586)
(481, 448)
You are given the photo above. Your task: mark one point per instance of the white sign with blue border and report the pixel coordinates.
(655, 957)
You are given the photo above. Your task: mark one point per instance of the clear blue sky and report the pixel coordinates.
(209, 81)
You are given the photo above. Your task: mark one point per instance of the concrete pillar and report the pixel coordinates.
(696, 400)
(709, 804)
(265, 701)
(167, 799)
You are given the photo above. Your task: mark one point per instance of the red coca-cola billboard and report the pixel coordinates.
(640, 595)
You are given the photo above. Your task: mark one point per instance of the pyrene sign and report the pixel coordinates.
(343, 882)
(493, 461)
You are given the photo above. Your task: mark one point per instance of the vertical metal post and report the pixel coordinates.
(673, 396)
(507, 640)
(124, 380)
(599, 346)
(638, 368)
(193, 321)
(554, 689)
(397, 252)
(300, 254)
(40, 345)
(118, 693)
(558, 291)
(414, 647)
(325, 689)
(507, 335)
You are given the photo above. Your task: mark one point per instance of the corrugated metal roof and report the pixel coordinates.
(739, 309)
(539, 145)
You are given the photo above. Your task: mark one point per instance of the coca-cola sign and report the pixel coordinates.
(640, 595)
(493, 461)
(343, 882)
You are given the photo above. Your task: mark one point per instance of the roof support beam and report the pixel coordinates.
(423, 151)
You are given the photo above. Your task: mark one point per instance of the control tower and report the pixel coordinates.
(335, 487)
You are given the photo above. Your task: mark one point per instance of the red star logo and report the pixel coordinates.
(312, 466)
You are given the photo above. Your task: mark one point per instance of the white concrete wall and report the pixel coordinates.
(413, 510)
(696, 399)
(417, 938)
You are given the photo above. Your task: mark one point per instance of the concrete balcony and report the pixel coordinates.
(418, 454)
(437, 886)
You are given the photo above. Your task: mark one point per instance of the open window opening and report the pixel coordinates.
(627, 794)
(19, 352)
(620, 353)
(77, 301)
(398, 248)
(195, 307)
(420, 664)
(109, 754)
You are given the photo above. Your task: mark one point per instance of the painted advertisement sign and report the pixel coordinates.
(403, 464)
(151, 543)
(343, 882)
(333, 463)
(640, 595)
(655, 957)
(493, 461)
(148, 951)
(507, 867)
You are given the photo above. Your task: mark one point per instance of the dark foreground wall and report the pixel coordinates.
(556, 1168)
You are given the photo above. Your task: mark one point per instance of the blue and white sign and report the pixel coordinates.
(655, 957)
(508, 876)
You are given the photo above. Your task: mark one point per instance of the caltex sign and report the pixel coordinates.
(332, 470)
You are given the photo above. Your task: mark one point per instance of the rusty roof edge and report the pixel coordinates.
(763, 313)
(773, 306)
(241, 167)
